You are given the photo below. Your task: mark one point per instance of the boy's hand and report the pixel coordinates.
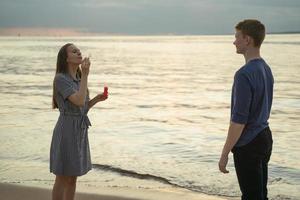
(223, 163)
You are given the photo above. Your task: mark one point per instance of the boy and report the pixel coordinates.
(249, 136)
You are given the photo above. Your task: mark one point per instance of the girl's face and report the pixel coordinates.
(74, 55)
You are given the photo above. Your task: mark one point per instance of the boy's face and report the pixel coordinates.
(241, 42)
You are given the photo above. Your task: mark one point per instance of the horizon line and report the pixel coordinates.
(71, 32)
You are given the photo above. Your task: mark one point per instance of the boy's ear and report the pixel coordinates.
(249, 40)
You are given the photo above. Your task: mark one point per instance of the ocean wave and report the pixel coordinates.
(185, 184)
(133, 174)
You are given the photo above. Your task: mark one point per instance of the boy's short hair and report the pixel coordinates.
(253, 28)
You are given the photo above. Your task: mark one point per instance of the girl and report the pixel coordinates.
(70, 153)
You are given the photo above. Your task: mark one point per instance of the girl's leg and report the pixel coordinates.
(69, 187)
(58, 189)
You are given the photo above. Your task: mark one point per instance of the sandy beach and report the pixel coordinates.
(20, 192)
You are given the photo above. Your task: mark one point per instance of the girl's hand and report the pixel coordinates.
(101, 97)
(85, 66)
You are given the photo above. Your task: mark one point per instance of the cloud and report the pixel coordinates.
(149, 16)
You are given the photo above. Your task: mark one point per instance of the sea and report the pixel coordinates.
(165, 120)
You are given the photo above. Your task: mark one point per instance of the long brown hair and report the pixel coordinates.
(62, 67)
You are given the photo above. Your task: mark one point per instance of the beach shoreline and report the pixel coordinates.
(10, 191)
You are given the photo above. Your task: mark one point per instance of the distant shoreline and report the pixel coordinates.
(132, 35)
(288, 32)
(69, 32)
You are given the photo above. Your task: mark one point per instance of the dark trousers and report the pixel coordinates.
(251, 165)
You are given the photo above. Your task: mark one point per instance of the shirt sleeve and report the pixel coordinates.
(242, 97)
(64, 86)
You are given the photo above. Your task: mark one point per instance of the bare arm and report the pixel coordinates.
(78, 98)
(234, 132)
(97, 99)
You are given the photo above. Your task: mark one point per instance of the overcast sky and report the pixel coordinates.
(150, 16)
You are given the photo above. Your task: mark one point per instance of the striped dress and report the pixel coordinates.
(70, 152)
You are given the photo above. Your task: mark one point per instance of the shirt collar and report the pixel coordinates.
(77, 79)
